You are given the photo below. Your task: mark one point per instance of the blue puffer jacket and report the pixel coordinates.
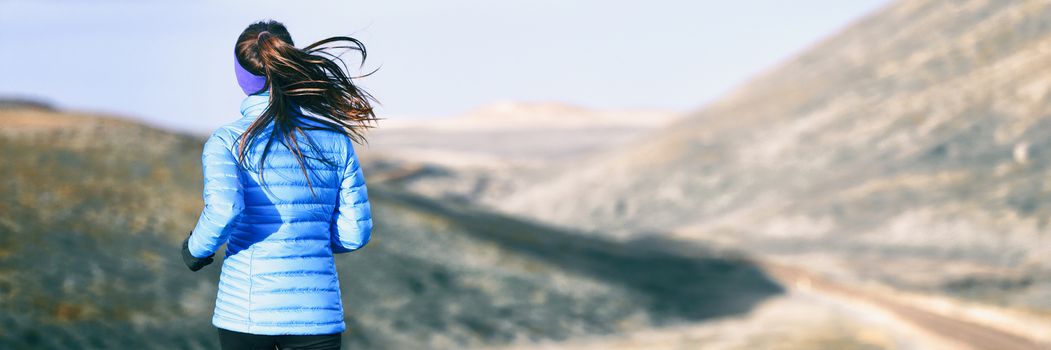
(279, 276)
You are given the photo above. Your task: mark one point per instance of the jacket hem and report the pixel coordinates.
(279, 329)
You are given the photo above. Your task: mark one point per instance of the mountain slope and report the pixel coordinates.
(914, 140)
(540, 116)
(494, 150)
(92, 211)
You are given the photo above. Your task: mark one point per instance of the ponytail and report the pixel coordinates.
(309, 90)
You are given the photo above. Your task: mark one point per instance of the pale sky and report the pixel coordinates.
(170, 63)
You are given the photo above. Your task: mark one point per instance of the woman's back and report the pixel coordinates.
(279, 276)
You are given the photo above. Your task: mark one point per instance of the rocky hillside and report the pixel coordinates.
(92, 210)
(912, 147)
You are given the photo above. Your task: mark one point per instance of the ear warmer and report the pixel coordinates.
(250, 83)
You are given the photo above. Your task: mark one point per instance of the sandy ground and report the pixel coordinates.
(937, 328)
(799, 320)
(816, 313)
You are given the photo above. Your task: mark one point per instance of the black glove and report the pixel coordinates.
(192, 262)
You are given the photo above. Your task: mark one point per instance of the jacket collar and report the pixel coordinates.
(255, 104)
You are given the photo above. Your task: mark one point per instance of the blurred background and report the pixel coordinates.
(560, 175)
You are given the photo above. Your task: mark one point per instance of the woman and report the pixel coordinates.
(284, 191)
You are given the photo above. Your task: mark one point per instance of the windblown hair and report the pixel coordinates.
(310, 89)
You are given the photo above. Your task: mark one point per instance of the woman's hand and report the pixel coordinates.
(192, 262)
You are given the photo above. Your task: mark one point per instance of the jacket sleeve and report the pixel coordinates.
(352, 226)
(223, 198)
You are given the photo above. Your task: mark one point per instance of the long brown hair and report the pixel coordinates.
(306, 85)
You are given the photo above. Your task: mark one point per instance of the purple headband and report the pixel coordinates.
(250, 83)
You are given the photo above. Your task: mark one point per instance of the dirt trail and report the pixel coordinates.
(968, 334)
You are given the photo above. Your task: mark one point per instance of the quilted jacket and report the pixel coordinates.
(279, 277)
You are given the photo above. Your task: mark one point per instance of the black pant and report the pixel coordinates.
(231, 340)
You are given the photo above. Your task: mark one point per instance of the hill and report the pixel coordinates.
(494, 150)
(506, 134)
(93, 209)
(911, 148)
(541, 115)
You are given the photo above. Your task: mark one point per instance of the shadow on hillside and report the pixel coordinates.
(676, 282)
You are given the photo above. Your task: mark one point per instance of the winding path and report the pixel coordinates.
(973, 335)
